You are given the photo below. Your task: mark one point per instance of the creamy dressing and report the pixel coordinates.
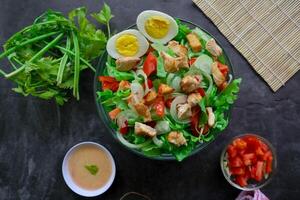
(85, 156)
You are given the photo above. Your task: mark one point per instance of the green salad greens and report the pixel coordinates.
(47, 57)
(172, 99)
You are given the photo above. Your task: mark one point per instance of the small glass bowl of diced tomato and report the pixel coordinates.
(248, 162)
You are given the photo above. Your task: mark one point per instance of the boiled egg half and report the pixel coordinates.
(157, 26)
(128, 43)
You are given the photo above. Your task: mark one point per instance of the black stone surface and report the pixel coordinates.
(35, 134)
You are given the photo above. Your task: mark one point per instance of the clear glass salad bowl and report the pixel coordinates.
(104, 115)
(252, 185)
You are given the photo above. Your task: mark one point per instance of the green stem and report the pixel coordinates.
(28, 28)
(77, 66)
(72, 53)
(63, 63)
(46, 48)
(37, 55)
(41, 37)
(2, 72)
(108, 29)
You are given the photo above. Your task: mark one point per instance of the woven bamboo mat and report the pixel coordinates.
(266, 32)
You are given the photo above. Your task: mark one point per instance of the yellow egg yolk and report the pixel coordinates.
(127, 45)
(157, 26)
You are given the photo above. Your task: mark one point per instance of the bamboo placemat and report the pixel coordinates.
(266, 32)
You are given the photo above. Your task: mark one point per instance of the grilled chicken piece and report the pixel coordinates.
(150, 97)
(171, 64)
(165, 89)
(180, 51)
(193, 99)
(143, 129)
(176, 138)
(123, 85)
(184, 111)
(213, 48)
(218, 77)
(126, 63)
(190, 83)
(143, 110)
(211, 116)
(194, 42)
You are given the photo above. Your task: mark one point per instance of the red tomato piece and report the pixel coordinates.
(259, 152)
(150, 64)
(259, 171)
(150, 84)
(237, 170)
(267, 155)
(109, 82)
(151, 123)
(239, 144)
(241, 180)
(159, 107)
(124, 128)
(168, 103)
(235, 162)
(201, 91)
(223, 68)
(231, 151)
(192, 60)
(195, 120)
(269, 165)
(248, 158)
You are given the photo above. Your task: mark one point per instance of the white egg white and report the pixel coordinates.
(142, 42)
(142, 18)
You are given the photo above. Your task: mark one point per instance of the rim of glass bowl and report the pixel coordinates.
(104, 116)
(252, 186)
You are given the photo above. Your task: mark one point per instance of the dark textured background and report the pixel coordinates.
(35, 134)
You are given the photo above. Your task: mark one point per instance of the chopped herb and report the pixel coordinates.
(93, 169)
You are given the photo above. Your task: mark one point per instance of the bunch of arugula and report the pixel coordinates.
(47, 57)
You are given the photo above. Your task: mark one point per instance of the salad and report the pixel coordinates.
(166, 87)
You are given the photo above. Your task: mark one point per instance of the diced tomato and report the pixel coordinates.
(150, 84)
(241, 180)
(235, 162)
(159, 107)
(267, 155)
(150, 49)
(237, 170)
(150, 64)
(259, 171)
(239, 143)
(231, 151)
(109, 82)
(259, 152)
(168, 102)
(248, 159)
(263, 146)
(269, 165)
(223, 68)
(192, 60)
(113, 114)
(201, 92)
(195, 120)
(124, 128)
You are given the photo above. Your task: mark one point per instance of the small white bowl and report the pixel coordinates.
(73, 186)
